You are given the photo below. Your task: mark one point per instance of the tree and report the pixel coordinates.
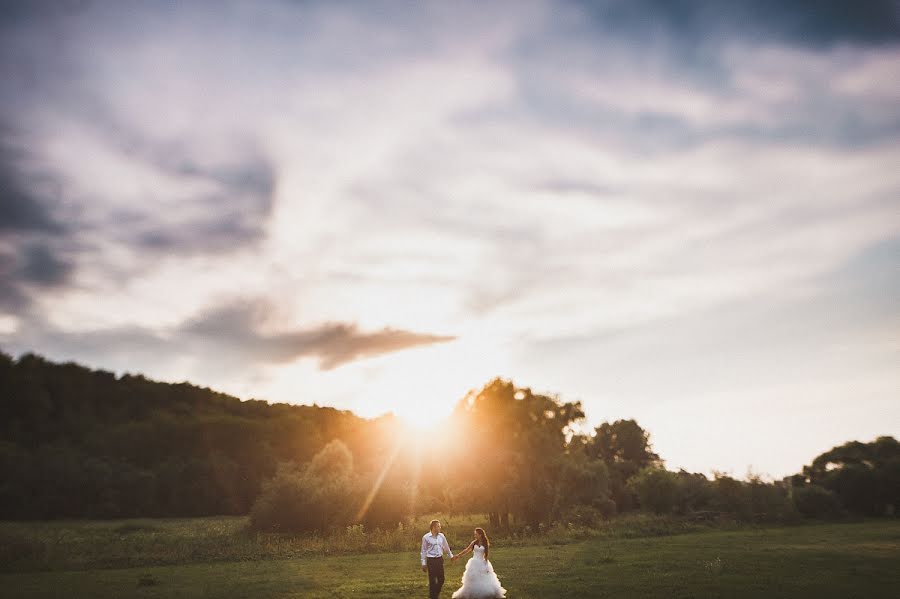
(695, 493)
(625, 448)
(656, 489)
(865, 477)
(731, 496)
(77, 442)
(581, 481)
(315, 498)
(814, 501)
(515, 440)
(623, 441)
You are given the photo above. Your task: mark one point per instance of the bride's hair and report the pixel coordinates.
(484, 541)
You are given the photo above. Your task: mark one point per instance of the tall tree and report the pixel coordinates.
(625, 449)
(515, 440)
(865, 477)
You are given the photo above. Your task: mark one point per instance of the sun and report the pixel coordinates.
(422, 386)
(419, 415)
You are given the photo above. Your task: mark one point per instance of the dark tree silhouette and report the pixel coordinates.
(77, 442)
(865, 477)
(625, 448)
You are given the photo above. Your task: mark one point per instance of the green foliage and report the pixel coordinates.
(318, 498)
(694, 493)
(814, 501)
(864, 477)
(625, 448)
(753, 500)
(76, 442)
(519, 438)
(656, 489)
(769, 502)
(583, 515)
(731, 496)
(582, 488)
(623, 441)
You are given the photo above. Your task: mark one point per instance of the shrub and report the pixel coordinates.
(768, 501)
(695, 492)
(732, 496)
(607, 507)
(655, 488)
(582, 515)
(814, 501)
(316, 498)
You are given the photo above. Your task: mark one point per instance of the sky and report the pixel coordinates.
(687, 213)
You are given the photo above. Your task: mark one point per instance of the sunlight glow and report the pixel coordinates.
(417, 417)
(422, 386)
(378, 481)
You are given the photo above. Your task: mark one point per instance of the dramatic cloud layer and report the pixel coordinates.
(229, 337)
(680, 212)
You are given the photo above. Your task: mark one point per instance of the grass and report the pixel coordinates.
(821, 561)
(97, 544)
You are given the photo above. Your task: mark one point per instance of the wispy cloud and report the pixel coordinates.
(229, 336)
(235, 329)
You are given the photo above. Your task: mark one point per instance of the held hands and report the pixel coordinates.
(454, 558)
(424, 568)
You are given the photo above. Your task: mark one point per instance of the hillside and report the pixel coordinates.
(81, 442)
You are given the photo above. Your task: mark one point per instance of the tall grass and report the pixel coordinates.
(90, 544)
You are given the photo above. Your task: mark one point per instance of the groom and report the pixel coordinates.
(434, 544)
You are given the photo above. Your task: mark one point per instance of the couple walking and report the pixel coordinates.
(478, 581)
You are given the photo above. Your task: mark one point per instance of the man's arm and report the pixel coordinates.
(423, 552)
(446, 545)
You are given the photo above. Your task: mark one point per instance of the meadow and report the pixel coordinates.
(634, 556)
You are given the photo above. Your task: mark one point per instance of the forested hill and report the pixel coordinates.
(82, 442)
(76, 442)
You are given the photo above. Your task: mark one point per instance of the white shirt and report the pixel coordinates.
(434, 546)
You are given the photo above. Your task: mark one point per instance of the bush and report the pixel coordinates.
(732, 496)
(582, 515)
(857, 488)
(655, 488)
(695, 492)
(285, 504)
(607, 507)
(317, 498)
(768, 501)
(389, 505)
(814, 501)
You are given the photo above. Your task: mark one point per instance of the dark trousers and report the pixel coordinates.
(435, 576)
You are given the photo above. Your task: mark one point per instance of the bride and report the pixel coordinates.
(479, 580)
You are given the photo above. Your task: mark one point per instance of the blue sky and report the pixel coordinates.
(681, 212)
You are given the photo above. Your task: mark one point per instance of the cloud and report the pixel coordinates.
(224, 339)
(229, 213)
(183, 204)
(20, 210)
(815, 23)
(33, 242)
(42, 267)
(513, 173)
(235, 328)
(357, 162)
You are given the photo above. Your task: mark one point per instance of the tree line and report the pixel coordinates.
(76, 442)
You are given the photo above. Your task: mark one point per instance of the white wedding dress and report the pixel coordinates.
(479, 580)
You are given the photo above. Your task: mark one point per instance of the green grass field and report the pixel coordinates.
(818, 561)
